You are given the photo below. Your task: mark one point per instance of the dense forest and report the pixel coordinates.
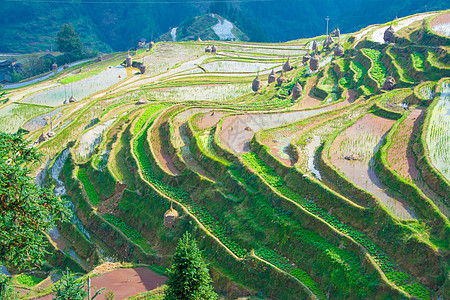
(117, 25)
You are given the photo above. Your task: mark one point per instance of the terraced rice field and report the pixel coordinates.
(326, 198)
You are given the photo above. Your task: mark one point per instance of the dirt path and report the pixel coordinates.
(352, 154)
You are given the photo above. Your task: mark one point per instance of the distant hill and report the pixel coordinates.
(206, 27)
(115, 25)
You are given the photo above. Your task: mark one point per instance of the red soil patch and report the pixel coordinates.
(442, 19)
(359, 141)
(210, 119)
(124, 283)
(399, 154)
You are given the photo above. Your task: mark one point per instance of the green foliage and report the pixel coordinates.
(145, 116)
(180, 195)
(287, 266)
(7, 292)
(390, 269)
(129, 231)
(418, 60)
(69, 42)
(360, 72)
(27, 280)
(189, 277)
(71, 288)
(27, 210)
(378, 70)
(90, 190)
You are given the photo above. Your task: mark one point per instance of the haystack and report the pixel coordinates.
(208, 49)
(287, 66)
(99, 57)
(306, 57)
(338, 50)
(129, 61)
(281, 79)
(43, 137)
(256, 84)
(66, 101)
(72, 99)
(199, 39)
(54, 67)
(213, 49)
(143, 69)
(328, 42)
(142, 101)
(314, 62)
(389, 35)
(314, 47)
(66, 66)
(389, 83)
(150, 45)
(170, 217)
(297, 91)
(272, 77)
(336, 32)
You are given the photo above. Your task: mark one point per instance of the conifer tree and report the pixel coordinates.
(189, 277)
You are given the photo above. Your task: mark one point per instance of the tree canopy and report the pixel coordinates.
(27, 211)
(69, 42)
(189, 277)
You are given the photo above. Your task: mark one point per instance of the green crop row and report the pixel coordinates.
(284, 264)
(145, 116)
(390, 269)
(27, 280)
(360, 72)
(378, 70)
(90, 191)
(418, 60)
(182, 196)
(129, 231)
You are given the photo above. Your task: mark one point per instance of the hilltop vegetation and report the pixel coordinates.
(300, 172)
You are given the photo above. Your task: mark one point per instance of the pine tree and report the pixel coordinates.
(189, 277)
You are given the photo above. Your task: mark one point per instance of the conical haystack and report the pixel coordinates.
(336, 32)
(150, 45)
(54, 67)
(281, 79)
(272, 77)
(287, 66)
(338, 50)
(170, 217)
(66, 66)
(389, 35)
(256, 84)
(43, 137)
(389, 83)
(314, 62)
(143, 69)
(99, 57)
(129, 61)
(72, 99)
(328, 42)
(306, 57)
(314, 46)
(208, 49)
(297, 91)
(66, 101)
(142, 101)
(213, 49)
